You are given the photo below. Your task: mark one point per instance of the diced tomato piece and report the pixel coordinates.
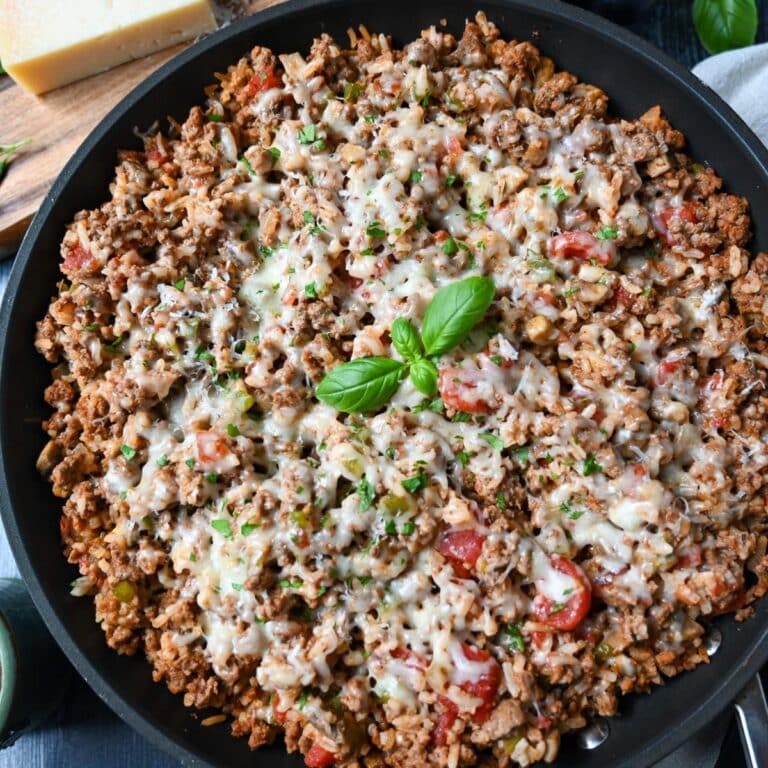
(542, 722)
(453, 146)
(690, 557)
(211, 448)
(665, 370)
(621, 297)
(566, 616)
(685, 212)
(263, 81)
(539, 638)
(461, 548)
(277, 713)
(319, 757)
(579, 245)
(449, 712)
(410, 658)
(158, 156)
(77, 260)
(457, 385)
(486, 687)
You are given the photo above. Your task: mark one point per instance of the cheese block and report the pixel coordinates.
(48, 43)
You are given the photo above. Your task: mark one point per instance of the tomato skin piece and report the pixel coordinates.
(486, 687)
(461, 548)
(210, 447)
(445, 720)
(456, 386)
(665, 370)
(685, 212)
(319, 757)
(78, 261)
(263, 81)
(453, 146)
(278, 714)
(410, 658)
(577, 606)
(578, 245)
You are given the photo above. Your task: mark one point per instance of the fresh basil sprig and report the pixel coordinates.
(363, 384)
(7, 151)
(725, 24)
(461, 306)
(367, 383)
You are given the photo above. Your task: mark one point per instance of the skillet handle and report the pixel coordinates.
(752, 716)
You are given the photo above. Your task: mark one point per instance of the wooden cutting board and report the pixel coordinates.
(57, 123)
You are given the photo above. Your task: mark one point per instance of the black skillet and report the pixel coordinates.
(632, 72)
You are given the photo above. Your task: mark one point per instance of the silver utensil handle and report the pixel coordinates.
(752, 716)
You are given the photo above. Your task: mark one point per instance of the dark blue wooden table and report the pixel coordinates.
(85, 733)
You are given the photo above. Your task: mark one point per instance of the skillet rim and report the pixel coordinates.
(688, 87)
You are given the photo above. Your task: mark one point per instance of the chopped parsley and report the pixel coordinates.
(408, 529)
(374, 229)
(222, 527)
(460, 417)
(308, 135)
(368, 252)
(212, 477)
(370, 119)
(162, 461)
(315, 226)
(248, 528)
(523, 455)
(274, 153)
(501, 501)
(513, 637)
(214, 118)
(367, 494)
(479, 215)
(179, 284)
(390, 528)
(415, 177)
(415, 483)
(494, 441)
(591, 466)
(128, 452)
(608, 233)
(233, 430)
(290, 583)
(190, 463)
(451, 180)
(310, 290)
(462, 457)
(570, 512)
(450, 247)
(390, 453)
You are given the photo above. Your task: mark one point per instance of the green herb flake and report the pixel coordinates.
(212, 477)
(478, 216)
(415, 177)
(374, 229)
(408, 529)
(215, 118)
(449, 247)
(591, 465)
(128, 452)
(513, 637)
(368, 252)
(308, 134)
(390, 453)
(367, 494)
(370, 119)
(463, 458)
(179, 284)
(233, 430)
(501, 501)
(608, 233)
(523, 455)
(415, 483)
(274, 153)
(451, 180)
(493, 440)
(222, 526)
(190, 463)
(162, 461)
(310, 290)
(248, 528)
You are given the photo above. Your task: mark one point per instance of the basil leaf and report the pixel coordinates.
(406, 339)
(725, 24)
(424, 377)
(454, 311)
(364, 384)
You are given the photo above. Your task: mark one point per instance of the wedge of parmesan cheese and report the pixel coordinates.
(47, 43)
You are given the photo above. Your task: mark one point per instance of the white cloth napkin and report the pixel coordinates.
(740, 78)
